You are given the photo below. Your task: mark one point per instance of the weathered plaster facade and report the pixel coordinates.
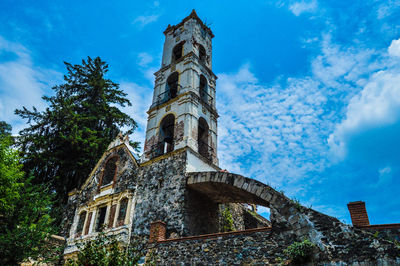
(193, 99)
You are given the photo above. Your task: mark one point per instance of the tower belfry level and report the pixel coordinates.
(183, 113)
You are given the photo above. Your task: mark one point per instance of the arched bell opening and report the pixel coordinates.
(172, 85)
(167, 134)
(202, 138)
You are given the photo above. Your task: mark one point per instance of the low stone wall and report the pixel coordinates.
(386, 231)
(262, 246)
(252, 246)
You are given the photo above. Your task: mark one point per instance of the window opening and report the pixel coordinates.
(109, 171)
(172, 85)
(203, 88)
(89, 220)
(101, 217)
(177, 52)
(202, 54)
(202, 138)
(123, 206)
(81, 221)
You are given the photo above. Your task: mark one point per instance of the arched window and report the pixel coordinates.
(203, 89)
(202, 138)
(81, 222)
(167, 134)
(110, 171)
(123, 207)
(172, 85)
(202, 54)
(177, 52)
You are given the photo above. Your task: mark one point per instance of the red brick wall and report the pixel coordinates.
(358, 213)
(157, 231)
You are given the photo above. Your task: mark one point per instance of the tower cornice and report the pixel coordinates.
(193, 15)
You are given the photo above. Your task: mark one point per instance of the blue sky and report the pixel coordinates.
(308, 91)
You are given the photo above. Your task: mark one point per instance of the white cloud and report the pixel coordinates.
(272, 133)
(385, 175)
(22, 83)
(140, 98)
(394, 48)
(285, 131)
(298, 8)
(264, 211)
(387, 8)
(376, 105)
(142, 21)
(144, 59)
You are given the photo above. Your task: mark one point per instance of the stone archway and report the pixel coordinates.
(224, 187)
(288, 218)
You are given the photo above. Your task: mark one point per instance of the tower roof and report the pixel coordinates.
(193, 15)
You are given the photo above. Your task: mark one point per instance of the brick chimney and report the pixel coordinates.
(358, 213)
(158, 231)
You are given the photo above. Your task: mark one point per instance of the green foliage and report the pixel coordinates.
(25, 221)
(300, 252)
(62, 144)
(5, 129)
(376, 234)
(227, 220)
(106, 251)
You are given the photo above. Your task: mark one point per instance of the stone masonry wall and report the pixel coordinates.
(266, 246)
(161, 196)
(388, 233)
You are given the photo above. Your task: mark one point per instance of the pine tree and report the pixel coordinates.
(62, 144)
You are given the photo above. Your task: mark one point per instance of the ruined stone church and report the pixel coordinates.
(176, 197)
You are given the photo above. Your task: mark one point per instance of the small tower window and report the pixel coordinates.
(123, 206)
(202, 54)
(203, 88)
(101, 217)
(202, 138)
(109, 171)
(172, 85)
(166, 135)
(81, 221)
(177, 52)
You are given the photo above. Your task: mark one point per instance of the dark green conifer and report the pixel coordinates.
(62, 144)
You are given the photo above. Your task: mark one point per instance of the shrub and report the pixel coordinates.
(105, 250)
(300, 252)
(227, 220)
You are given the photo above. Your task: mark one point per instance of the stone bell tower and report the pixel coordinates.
(183, 116)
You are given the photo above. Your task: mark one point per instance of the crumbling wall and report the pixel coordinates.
(341, 246)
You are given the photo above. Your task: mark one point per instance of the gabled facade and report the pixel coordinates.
(106, 201)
